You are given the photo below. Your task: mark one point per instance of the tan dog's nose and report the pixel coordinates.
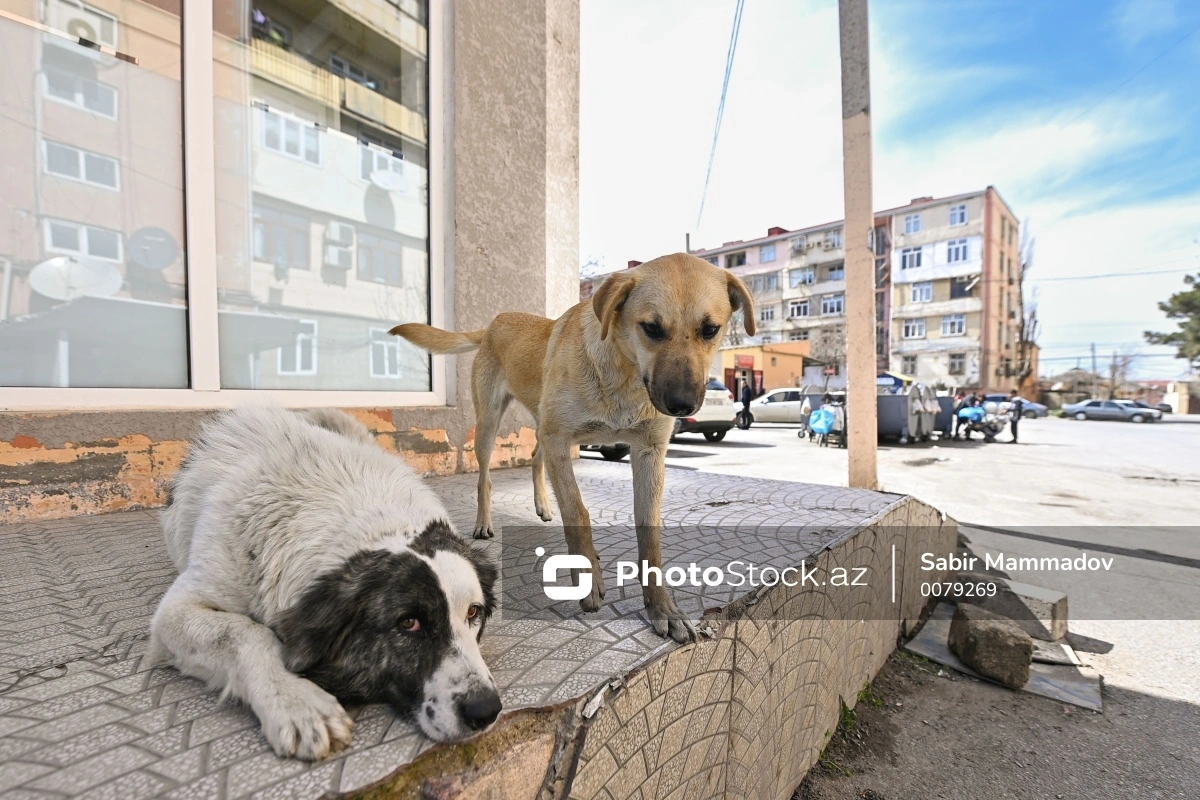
(680, 404)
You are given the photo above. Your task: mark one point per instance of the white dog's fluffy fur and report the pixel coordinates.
(313, 564)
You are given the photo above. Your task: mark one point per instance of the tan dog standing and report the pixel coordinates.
(612, 370)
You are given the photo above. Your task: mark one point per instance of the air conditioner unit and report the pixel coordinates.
(83, 21)
(340, 233)
(337, 256)
(799, 244)
(830, 243)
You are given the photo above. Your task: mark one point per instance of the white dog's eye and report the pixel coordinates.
(474, 611)
(410, 625)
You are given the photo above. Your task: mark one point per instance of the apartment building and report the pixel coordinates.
(956, 296)
(947, 276)
(798, 279)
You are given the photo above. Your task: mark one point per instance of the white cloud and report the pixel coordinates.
(1136, 21)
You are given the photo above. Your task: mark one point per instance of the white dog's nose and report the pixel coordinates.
(479, 708)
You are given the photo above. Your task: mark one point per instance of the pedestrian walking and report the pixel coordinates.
(747, 396)
(1016, 409)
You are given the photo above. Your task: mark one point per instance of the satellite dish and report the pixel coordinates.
(152, 248)
(67, 277)
(389, 181)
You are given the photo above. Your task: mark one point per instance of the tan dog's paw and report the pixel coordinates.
(302, 720)
(543, 511)
(594, 598)
(671, 623)
(484, 532)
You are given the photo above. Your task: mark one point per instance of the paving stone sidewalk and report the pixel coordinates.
(81, 716)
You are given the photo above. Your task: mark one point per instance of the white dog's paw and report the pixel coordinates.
(302, 720)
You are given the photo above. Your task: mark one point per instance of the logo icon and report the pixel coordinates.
(550, 572)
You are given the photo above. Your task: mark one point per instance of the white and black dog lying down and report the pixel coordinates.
(315, 568)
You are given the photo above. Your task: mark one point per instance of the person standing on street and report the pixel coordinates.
(747, 396)
(1016, 409)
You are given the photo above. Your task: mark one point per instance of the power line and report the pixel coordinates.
(733, 40)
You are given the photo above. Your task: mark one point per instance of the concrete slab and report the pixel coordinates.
(749, 707)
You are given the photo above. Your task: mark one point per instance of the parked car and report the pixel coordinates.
(1123, 410)
(1163, 407)
(1032, 409)
(778, 405)
(715, 417)
(713, 420)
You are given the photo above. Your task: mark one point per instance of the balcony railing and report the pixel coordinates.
(382, 110)
(294, 71)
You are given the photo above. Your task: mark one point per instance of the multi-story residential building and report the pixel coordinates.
(798, 279)
(948, 296)
(956, 290)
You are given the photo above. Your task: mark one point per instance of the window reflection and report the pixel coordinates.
(322, 228)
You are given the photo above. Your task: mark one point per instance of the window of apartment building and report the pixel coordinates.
(300, 357)
(880, 240)
(837, 272)
(380, 260)
(798, 336)
(958, 214)
(913, 329)
(766, 338)
(954, 325)
(910, 258)
(908, 365)
(766, 253)
(956, 250)
(290, 136)
(80, 92)
(801, 277)
(280, 177)
(958, 363)
(833, 239)
(962, 286)
(735, 259)
(281, 238)
(714, 260)
(764, 283)
(766, 314)
(797, 308)
(348, 69)
(74, 238)
(833, 304)
(385, 354)
(912, 223)
(922, 292)
(375, 158)
(81, 165)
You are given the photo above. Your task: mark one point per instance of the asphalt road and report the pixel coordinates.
(1119, 490)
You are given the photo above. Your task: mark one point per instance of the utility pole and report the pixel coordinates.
(858, 239)
(687, 243)
(1095, 375)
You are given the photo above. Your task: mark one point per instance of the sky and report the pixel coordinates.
(1084, 114)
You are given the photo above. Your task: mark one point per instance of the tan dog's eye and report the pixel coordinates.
(474, 611)
(710, 330)
(653, 331)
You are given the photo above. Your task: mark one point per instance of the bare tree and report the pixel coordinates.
(591, 267)
(1118, 372)
(1028, 326)
(828, 344)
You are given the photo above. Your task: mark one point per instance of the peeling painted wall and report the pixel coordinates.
(56, 465)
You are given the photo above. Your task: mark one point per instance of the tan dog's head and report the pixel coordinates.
(668, 316)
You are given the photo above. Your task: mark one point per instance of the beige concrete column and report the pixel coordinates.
(861, 408)
(516, 161)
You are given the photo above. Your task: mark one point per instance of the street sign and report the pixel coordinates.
(743, 362)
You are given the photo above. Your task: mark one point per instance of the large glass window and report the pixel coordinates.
(92, 273)
(322, 140)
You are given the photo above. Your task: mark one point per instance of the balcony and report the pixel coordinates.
(381, 110)
(388, 21)
(288, 69)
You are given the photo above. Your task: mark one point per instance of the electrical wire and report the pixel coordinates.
(733, 40)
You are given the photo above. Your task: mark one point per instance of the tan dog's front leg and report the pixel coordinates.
(576, 523)
(541, 497)
(649, 475)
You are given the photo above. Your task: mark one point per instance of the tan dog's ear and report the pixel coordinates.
(609, 298)
(739, 298)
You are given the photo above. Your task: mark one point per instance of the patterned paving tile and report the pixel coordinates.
(81, 715)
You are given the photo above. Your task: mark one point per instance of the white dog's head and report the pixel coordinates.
(402, 627)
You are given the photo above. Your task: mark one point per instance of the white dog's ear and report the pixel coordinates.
(740, 299)
(610, 297)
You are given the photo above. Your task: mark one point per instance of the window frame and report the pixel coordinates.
(912, 223)
(388, 344)
(79, 102)
(958, 207)
(840, 297)
(905, 368)
(837, 272)
(764, 250)
(926, 292)
(312, 337)
(766, 314)
(952, 321)
(795, 304)
(913, 328)
(960, 246)
(81, 157)
(905, 253)
(302, 125)
(200, 227)
(962, 366)
(808, 275)
(82, 228)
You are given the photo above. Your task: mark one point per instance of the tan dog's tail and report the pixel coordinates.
(436, 340)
